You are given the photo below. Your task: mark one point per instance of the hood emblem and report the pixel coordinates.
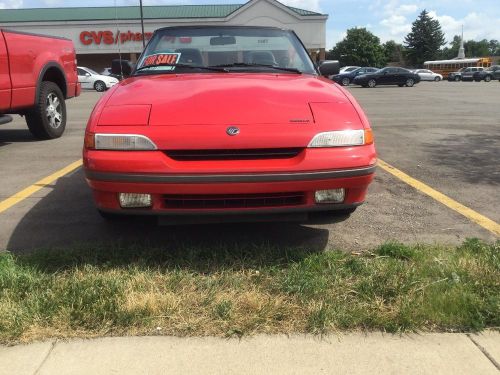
(232, 131)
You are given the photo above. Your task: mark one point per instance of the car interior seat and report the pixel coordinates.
(191, 56)
(262, 58)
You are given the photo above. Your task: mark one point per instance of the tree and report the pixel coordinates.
(494, 47)
(472, 48)
(452, 51)
(424, 40)
(393, 52)
(359, 47)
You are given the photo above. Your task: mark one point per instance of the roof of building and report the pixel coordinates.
(127, 12)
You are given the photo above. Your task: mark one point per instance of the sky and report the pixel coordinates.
(389, 19)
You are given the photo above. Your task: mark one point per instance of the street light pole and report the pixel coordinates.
(142, 26)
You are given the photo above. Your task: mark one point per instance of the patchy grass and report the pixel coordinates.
(93, 291)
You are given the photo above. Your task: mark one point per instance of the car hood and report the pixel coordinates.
(104, 78)
(236, 99)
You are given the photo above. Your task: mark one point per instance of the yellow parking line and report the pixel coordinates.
(30, 190)
(470, 214)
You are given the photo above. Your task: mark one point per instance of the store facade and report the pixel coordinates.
(102, 34)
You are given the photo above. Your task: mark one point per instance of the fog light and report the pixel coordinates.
(133, 200)
(330, 196)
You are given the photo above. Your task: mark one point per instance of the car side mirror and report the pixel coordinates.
(329, 68)
(87, 74)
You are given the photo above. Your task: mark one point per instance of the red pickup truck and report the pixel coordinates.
(37, 75)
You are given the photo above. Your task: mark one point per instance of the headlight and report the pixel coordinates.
(342, 138)
(118, 142)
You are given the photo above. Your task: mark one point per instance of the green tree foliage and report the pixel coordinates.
(494, 47)
(425, 40)
(473, 48)
(393, 52)
(359, 47)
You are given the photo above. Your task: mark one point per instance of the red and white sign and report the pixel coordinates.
(109, 37)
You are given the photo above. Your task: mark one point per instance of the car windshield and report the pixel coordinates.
(224, 49)
(92, 71)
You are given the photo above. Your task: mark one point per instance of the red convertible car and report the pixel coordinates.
(231, 123)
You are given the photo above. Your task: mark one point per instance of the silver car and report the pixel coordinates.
(428, 75)
(93, 80)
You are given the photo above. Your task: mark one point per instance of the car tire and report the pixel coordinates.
(457, 78)
(401, 85)
(47, 119)
(410, 82)
(345, 81)
(99, 86)
(371, 83)
(437, 79)
(487, 79)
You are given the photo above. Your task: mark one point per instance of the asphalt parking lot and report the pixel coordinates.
(445, 135)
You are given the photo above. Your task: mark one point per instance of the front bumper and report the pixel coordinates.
(110, 84)
(106, 187)
(259, 182)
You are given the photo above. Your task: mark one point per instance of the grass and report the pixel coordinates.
(125, 290)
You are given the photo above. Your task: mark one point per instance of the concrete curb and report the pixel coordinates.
(350, 354)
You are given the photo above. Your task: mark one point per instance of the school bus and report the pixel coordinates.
(446, 67)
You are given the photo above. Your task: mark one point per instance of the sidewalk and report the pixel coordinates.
(344, 354)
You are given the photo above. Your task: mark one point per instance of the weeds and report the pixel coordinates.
(95, 291)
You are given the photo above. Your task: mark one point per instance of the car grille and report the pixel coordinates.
(233, 201)
(238, 154)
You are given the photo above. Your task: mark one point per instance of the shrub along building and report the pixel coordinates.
(101, 34)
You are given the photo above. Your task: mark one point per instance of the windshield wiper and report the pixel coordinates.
(211, 68)
(247, 65)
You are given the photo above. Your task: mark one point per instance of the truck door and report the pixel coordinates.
(5, 86)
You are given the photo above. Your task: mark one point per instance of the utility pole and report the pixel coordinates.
(142, 26)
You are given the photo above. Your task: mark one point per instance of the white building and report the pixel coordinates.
(99, 34)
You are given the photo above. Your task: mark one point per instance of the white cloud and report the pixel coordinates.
(397, 20)
(11, 4)
(475, 25)
(407, 9)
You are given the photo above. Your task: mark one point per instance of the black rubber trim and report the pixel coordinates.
(5, 119)
(215, 178)
(47, 66)
(232, 212)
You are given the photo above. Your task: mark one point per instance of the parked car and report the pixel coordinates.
(428, 75)
(349, 68)
(37, 75)
(465, 74)
(388, 76)
(90, 79)
(228, 129)
(493, 72)
(346, 78)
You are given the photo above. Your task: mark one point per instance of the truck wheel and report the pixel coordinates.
(47, 119)
(99, 86)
